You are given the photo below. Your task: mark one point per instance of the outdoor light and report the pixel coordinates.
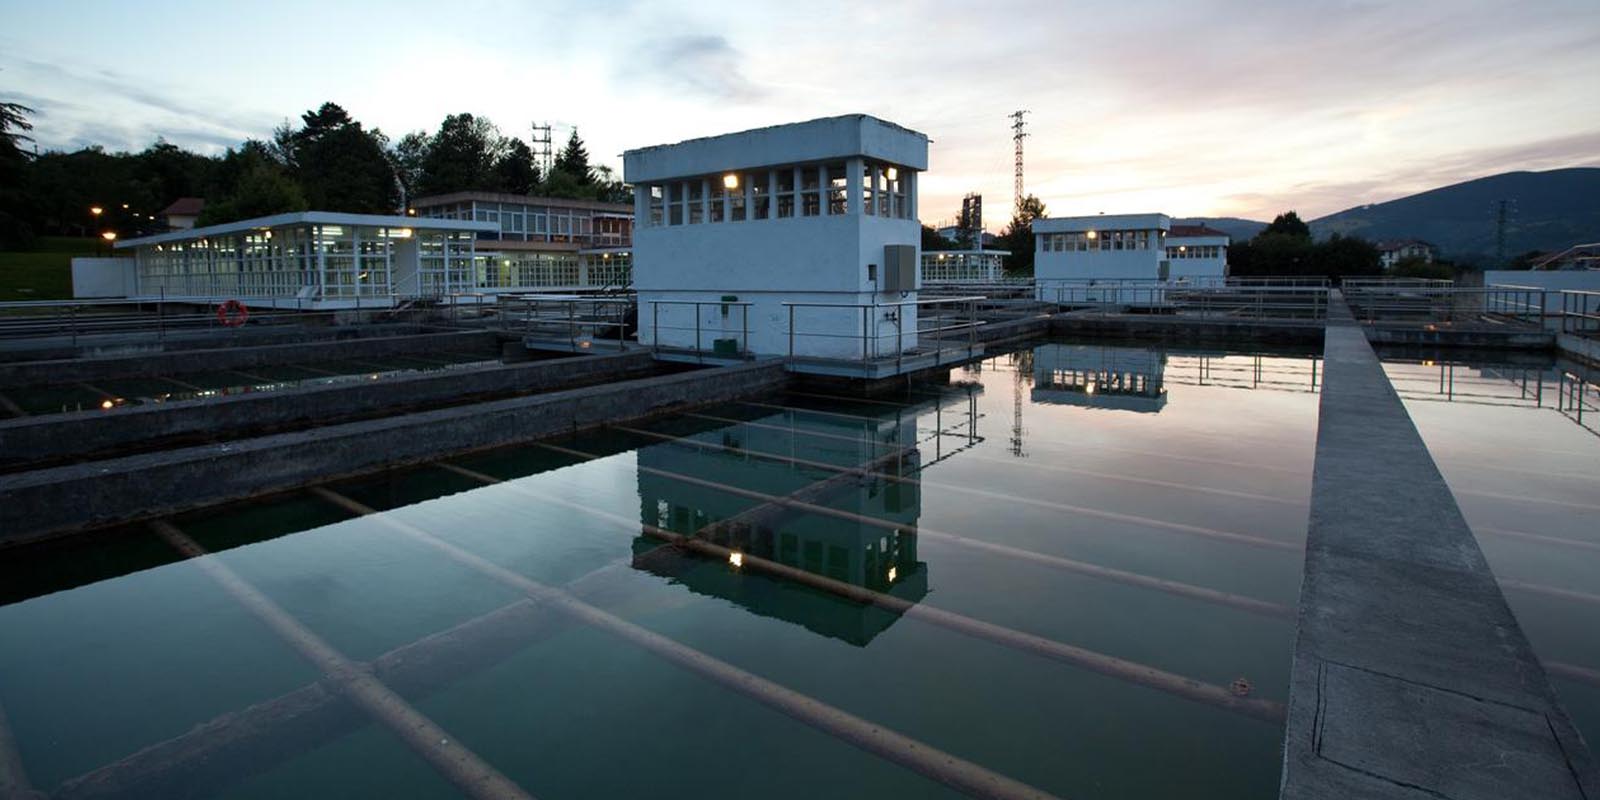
(736, 558)
(893, 175)
(730, 181)
(124, 206)
(893, 573)
(96, 210)
(109, 236)
(106, 404)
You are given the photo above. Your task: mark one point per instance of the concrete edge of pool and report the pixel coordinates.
(1411, 676)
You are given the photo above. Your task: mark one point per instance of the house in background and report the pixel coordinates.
(183, 213)
(1394, 251)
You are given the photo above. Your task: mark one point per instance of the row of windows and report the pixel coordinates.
(782, 193)
(521, 221)
(1086, 241)
(1197, 251)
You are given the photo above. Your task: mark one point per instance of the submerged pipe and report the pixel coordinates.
(1539, 537)
(453, 761)
(917, 756)
(14, 784)
(1178, 588)
(312, 716)
(1108, 665)
(1196, 530)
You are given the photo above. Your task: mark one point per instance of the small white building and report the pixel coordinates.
(1069, 251)
(733, 231)
(1196, 253)
(963, 266)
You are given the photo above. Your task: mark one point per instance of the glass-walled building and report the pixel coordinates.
(309, 257)
(964, 266)
(542, 243)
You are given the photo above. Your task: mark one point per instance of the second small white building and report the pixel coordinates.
(1073, 253)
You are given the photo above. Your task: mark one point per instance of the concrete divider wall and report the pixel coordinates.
(1411, 677)
(61, 499)
(58, 436)
(139, 365)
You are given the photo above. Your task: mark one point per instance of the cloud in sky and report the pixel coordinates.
(1223, 107)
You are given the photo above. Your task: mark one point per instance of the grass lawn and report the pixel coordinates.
(45, 272)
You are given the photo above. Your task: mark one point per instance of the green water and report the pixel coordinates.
(1183, 466)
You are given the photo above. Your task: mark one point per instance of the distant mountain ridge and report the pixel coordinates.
(1547, 211)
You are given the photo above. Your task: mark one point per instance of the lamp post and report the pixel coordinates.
(94, 214)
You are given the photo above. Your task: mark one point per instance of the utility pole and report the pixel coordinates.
(1018, 133)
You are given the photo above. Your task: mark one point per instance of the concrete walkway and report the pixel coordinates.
(1411, 677)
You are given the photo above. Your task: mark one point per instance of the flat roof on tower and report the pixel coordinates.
(798, 142)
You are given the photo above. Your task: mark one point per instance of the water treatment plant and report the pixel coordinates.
(754, 498)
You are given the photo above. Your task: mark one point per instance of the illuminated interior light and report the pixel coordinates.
(893, 175)
(736, 558)
(730, 181)
(1089, 389)
(1092, 235)
(893, 573)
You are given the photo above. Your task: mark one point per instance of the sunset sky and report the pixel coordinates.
(1219, 108)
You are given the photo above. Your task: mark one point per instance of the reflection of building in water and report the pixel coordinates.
(1100, 376)
(847, 550)
(1243, 370)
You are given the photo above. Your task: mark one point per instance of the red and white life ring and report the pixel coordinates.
(232, 313)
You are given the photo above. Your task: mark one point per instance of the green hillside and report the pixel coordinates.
(45, 272)
(1547, 211)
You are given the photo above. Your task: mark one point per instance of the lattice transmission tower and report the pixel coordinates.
(1018, 133)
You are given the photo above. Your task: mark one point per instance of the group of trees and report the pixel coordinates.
(329, 162)
(1286, 247)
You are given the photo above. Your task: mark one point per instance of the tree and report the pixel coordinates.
(1526, 260)
(515, 172)
(574, 160)
(933, 240)
(461, 156)
(407, 155)
(340, 166)
(1288, 224)
(14, 125)
(1345, 256)
(1017, 238)
(262, 191)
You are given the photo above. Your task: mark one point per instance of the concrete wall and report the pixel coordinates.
(103, 277)
(36, 504)
(36, 373)
(78, 434)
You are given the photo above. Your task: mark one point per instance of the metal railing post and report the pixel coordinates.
(655, 326)
(744, 330)
(864, 311)
(791, 332)
(697, 354)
